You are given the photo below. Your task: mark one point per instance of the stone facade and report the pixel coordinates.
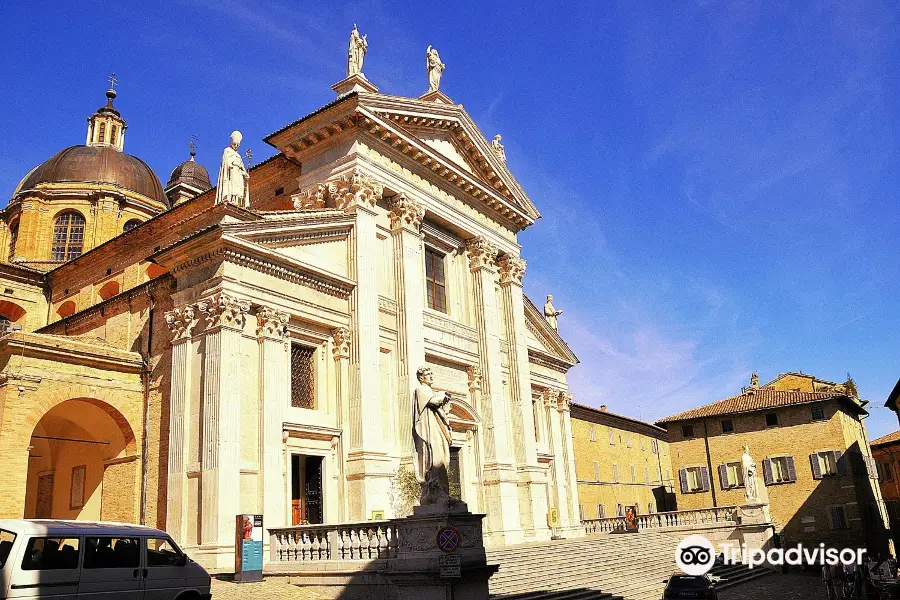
(809, 441)
(886, 452)
(620, 462)
(262, 360)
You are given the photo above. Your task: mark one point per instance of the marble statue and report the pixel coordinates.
(435, 68)
(550, 312)
(359, 46)
(499, 150)
(431, 438)
(751, 484)
(234, 180)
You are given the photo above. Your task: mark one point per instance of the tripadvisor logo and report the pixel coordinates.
(695, 555)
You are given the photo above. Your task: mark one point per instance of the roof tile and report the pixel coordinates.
(749, 401)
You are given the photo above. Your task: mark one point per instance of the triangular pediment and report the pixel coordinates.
(543, 339)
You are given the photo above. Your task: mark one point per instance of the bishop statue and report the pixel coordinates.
(550, 312)
(234, 180)
(431, 439)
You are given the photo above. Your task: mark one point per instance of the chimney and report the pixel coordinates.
(602, 408)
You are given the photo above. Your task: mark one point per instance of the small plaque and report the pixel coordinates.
(378, 515)
(553, 517)
(451, 566)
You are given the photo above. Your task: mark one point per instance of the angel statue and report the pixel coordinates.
(359, 46)
(435, 68)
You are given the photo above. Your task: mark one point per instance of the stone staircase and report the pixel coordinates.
(604, 566)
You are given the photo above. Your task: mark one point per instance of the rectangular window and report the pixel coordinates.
(654, 446)
(596, 471)
(817, 412)
(727, 426)
(628, 440)
(771, 419)
(633, 475)
(302, 380)
(694, 479)
(616, 473)
(593, 436)
(620, 510)
(885, 473)
(612, 437)
(435, 280)
(7, 538)
(50, 554)
(734, 474)
(838, 518)
(162, 552)
(643, 447)
(112, 553)
(781, 471)
(827, 463)
(600, 511)
(687, 431)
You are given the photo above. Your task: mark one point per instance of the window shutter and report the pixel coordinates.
(767, 472)
(682, 477)
(704, 479)
(840, 462)
(816, 467)
(723, 476)
(792, 472)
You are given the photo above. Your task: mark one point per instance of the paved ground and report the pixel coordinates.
(266, 590)
(795, 585)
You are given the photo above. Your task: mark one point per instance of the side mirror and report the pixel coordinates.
(182, 560)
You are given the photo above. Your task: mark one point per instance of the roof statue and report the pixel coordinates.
(233, 186)
(435, 68)
(359, 46)
(499, 150)
(754, 381)
(550, 312)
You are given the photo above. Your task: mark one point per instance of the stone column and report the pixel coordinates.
(341, 339)
(367, 467)
(220, 457)
(180, 321)
(501, 494)
(532, 479)
(274, 383)
(568, 446)
(406, 221)
(556, 443)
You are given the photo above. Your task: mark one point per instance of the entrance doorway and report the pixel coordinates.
(453, 475)
(306, 490)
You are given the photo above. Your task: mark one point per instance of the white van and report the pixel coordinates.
(82, 559)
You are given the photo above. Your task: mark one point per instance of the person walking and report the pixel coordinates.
(828, 578)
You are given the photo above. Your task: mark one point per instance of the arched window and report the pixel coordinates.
(68, 236)
(112, 136)
(129, 225)
(101, 137)
(13, 238)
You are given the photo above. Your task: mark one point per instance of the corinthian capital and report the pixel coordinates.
(271, 323)
(512, 269)
(224, 310)
(180, 322)
(565, 401)
(482, 253)
(355, 189)
(341, 339)
(474, 373)
(406, 212)
(311, 198)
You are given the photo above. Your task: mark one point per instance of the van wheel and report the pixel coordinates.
(189, 596)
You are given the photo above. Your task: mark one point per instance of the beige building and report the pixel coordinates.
(181, 361)
(809, 441)
(620, 462)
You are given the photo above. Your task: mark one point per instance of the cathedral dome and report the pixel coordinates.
(191, 173)
(97, 164)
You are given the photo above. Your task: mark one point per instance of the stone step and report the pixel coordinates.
(562, 595)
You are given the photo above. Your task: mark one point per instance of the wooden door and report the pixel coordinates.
(313, 489)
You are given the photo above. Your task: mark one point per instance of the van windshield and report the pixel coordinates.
(6, 543)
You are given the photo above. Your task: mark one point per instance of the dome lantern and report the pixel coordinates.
(106, 127)
(188, 179)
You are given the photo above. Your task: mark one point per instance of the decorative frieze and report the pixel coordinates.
(341, 338)
(482, 253)
(271, 323)
(386, 305)
(224, 310)
(406, 212)
(512, 270)
(450, 326)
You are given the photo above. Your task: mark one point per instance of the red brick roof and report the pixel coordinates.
(752, 400)
(886, 439)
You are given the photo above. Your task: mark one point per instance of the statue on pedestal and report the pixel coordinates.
(359, 46)
(431, 438)
(234, 181)
(435, 68)
(550, 312)
(751, 484)
(499, 150)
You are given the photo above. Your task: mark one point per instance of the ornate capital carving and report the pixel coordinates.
(311, 198)
(482, 253)
(565, 401)
(181, 321)
(355, 189)
(341, 338)
(406, 212)
(271, 323)
(551, 398)
(474, 373)
(512, 270)
(224, 310)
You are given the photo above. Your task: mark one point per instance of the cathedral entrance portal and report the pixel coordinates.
(82, 464)
(306, 490)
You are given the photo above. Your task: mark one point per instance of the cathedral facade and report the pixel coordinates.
(174, 360)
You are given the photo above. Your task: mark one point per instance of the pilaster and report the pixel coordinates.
(532, 480)
(406, 221)
(341, 342)
(556, 444)
(568, 446)
(180, 321)
(274, 367)
(501, 494)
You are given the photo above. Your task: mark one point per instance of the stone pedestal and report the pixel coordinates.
(416, 571)
(756, 526)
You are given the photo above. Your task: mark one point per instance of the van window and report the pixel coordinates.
(48, 554)
(6, 543)
(162, 552)
(111, 553)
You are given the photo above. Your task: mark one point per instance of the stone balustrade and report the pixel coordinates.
(725, 515)
(363, 541)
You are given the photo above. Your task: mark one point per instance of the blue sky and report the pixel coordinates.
(718, 180)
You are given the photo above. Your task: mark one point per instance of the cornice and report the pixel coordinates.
(71, 350)
(548, 360)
